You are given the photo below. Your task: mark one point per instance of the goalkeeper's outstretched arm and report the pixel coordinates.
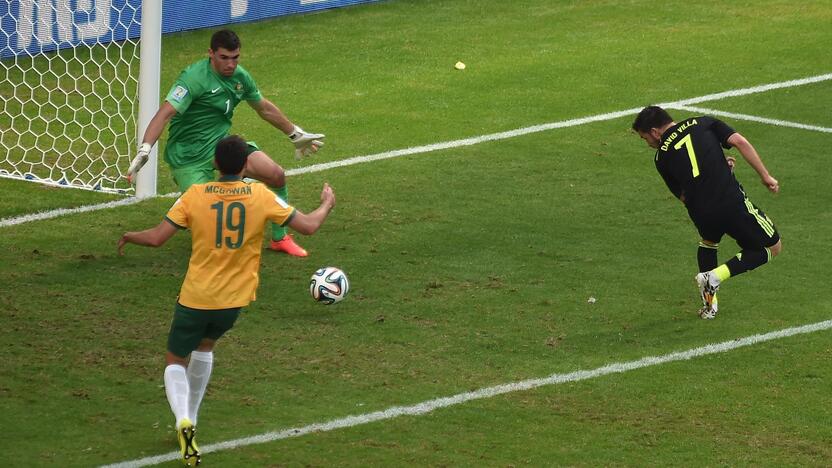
(272, 114)
(157, 123)
(305, 143)
(151, 136)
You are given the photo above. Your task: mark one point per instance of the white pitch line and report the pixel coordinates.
(752, 118)
(556, 125)
(465, 141)
(6, 222)
(488, 392)
(484, 138)
(753, 90)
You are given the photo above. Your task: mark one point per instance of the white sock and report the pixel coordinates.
(199, 373)
(176, 388)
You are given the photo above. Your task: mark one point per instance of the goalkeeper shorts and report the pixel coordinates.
(186, 176)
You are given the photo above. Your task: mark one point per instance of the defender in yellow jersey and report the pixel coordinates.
(224, 217)
(227, 219)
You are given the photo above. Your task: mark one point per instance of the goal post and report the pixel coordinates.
(149, 72)
(70, 84)
(79, 82)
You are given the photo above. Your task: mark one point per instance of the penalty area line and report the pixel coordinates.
(751, 118)
(752, 90)
(488, 392)
(556, 125)
(464, 142)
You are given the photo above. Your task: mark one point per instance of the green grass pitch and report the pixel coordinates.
(471, 266)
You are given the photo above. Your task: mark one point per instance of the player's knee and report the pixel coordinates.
(280, 177)
(206, 345)
(171, 358)
(276, 177)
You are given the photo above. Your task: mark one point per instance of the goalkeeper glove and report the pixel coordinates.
(138, 162)
(305, 143)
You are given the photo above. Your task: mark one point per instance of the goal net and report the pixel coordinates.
(69, 89)
(78, 84)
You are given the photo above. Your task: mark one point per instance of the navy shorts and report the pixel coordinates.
(190, 326)
(743, 221)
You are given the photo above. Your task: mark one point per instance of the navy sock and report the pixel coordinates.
(747, 260)
(706, 256)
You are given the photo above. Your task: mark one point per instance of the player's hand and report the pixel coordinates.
(328, 196)
(732, 161)
(122, 241)
(305, 143)
(771, 184)
(138, 162)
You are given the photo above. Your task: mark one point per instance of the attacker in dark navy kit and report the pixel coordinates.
(690, 159)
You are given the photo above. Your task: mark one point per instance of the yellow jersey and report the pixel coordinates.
(227, 219)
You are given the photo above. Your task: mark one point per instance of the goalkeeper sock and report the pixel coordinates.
(706, 256)
(747, 260)
(199, 373)
(176, 388)
(278, 231)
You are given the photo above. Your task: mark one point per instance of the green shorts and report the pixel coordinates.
(190, 326)
(199, 174)
(187, 176)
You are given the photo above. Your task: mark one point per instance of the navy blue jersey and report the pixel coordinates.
(692, 163)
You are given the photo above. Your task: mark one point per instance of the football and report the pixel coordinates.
(329, 285)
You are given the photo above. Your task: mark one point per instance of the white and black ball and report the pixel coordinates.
(329, 285)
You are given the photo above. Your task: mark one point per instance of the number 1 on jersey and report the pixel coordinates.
(691, 153)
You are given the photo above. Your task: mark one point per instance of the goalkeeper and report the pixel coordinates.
(199, 107)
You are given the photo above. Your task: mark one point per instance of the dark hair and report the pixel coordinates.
(651, 117)
(231, 155)
(225, 38)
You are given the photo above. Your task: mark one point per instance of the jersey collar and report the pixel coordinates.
(667, 132)
(229, 178)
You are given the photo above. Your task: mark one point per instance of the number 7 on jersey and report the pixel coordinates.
(691, 153)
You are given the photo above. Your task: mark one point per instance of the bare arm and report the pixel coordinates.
(309, 223)
(157, 123)
(753, 159)
(272, 114)
(153, 237)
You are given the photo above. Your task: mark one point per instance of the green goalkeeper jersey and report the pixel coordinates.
(204, 101)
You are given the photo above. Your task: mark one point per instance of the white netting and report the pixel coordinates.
(69, 94)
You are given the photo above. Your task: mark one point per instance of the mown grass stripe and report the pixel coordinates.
(488, 392)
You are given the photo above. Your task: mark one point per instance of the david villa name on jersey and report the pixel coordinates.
(680, 129)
